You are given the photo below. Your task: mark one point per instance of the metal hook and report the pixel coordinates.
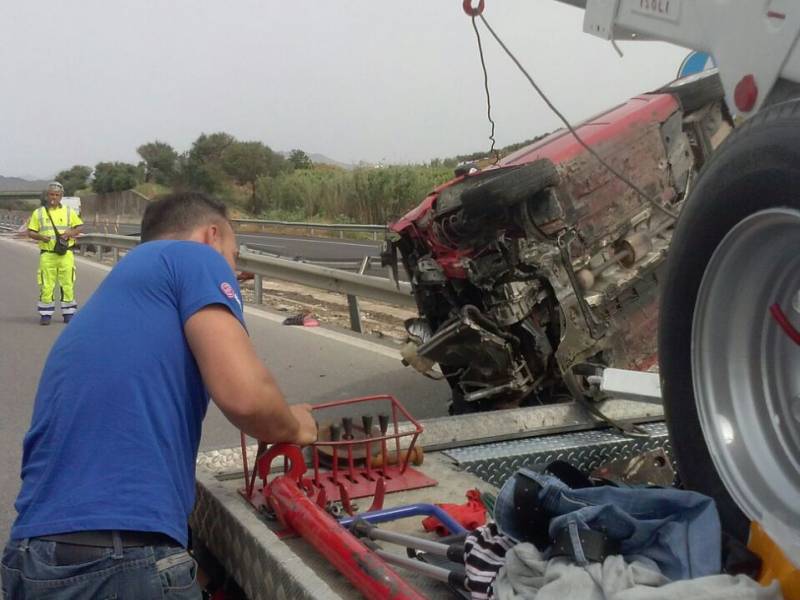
(473, 11)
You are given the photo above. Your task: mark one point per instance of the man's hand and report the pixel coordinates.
(307, 430)
(35, 235)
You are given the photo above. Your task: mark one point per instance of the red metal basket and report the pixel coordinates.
(346, 468)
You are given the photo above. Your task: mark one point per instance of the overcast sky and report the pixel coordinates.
(90, 80)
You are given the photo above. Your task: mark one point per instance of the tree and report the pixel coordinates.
(201, 167)
(245, 162)
(74, 179)
(299, 159)
(159, 160)
(114, 177)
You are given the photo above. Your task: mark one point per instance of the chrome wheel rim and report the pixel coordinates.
(746, 370)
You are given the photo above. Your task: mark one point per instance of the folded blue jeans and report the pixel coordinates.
(679, 530)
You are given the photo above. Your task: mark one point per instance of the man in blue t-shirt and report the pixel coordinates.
(108, 462)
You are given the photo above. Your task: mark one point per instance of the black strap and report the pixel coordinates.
(583, 545)
(529, 515)
(571, 476)
(105, 539)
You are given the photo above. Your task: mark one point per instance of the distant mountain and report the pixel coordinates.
(17, 184)
(321, 159)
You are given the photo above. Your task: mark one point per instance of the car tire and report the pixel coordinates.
(510, 187)
(756, 168)
(695, 91)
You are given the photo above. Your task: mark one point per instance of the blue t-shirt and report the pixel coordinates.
(119, 409)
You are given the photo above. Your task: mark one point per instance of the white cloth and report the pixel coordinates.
(527, 576)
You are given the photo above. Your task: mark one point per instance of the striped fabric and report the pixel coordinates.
(46, 310)
(68, 308)
(484, 553)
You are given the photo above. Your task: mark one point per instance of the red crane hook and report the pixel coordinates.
(473, 11)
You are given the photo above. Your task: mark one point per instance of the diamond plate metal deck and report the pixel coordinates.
(586, 450)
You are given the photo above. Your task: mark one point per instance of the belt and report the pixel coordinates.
(587, 545)
(529, 516)
(105, 539)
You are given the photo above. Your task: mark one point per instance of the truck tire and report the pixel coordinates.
(509, 187)
(755, 172)
(782, 91)
(695, 91)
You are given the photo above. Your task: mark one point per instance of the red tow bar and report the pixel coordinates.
(365, 569)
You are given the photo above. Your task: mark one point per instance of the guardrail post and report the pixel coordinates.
(257, 289)
(352, 301)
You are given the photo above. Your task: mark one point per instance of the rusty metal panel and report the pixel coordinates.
(586, 450)
(595, 201)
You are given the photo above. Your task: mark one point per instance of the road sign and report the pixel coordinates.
(696, 62)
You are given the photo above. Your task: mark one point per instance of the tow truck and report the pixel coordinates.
(727, 353)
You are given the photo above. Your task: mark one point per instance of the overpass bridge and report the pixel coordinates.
(21, 195)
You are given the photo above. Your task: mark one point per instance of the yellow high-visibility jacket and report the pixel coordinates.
(63, 217)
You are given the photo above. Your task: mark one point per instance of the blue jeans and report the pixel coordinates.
(33, 569)
(679, 530)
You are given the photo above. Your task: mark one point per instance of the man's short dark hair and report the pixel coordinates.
(180, 213)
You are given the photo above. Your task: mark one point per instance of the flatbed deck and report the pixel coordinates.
(461, 453)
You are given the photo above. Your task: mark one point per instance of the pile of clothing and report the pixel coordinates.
(589, 540)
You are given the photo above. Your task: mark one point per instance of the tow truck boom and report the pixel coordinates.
(754, 43)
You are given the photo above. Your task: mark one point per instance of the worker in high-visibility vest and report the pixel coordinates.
(56, 261)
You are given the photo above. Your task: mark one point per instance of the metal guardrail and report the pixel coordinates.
(333, 280)
(375, 230)
(14, 218)
(340, 227)
(333, 226)
(353, 285)
(11, 222)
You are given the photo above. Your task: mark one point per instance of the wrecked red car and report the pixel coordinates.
(534, 272)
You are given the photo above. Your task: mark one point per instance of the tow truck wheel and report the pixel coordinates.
(729, 370)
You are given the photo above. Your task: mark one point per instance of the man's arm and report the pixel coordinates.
(73, 232)
(240, 384)
(35, 235)
(74, 227)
